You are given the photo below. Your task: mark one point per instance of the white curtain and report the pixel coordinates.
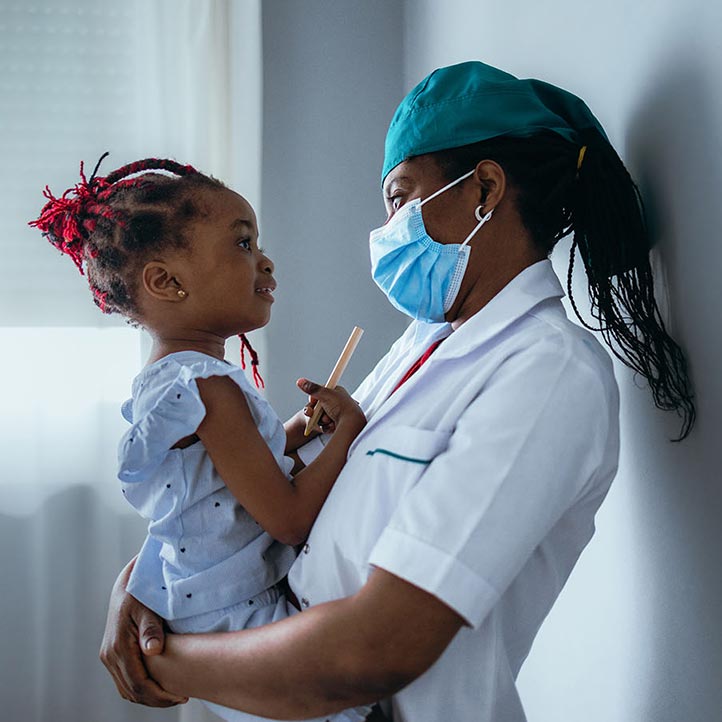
(166, 78)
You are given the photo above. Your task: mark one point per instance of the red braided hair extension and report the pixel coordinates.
(62, 219)
(149, 164)
(100, 298)
(245, 344)
(68, 221)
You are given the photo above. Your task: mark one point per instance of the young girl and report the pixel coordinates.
(177, 253)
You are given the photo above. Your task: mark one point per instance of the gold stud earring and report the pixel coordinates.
(181, 293)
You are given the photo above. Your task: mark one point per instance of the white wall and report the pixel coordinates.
(637, 635)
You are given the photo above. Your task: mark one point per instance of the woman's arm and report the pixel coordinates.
(129, 621)
(330, 657)
(248, 468)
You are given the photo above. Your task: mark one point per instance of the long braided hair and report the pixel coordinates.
(561, 188)
(111, 226)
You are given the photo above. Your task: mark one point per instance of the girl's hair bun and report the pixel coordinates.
(68, 220)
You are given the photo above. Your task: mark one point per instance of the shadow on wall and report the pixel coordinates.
(673, 148)
(58, 567)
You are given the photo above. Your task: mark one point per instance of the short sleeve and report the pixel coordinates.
(531, 443)
(165, 408)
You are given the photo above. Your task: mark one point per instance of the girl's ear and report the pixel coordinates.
(160, 284)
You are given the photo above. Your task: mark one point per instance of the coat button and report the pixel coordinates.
(304, 602)
(306, 549)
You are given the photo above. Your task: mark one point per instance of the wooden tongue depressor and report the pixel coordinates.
(335, 376)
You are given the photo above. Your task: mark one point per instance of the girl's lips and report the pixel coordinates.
(266, 291)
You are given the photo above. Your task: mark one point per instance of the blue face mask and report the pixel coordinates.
(419, 276)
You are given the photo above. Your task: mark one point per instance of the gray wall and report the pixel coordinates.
(637, 635)
(332, 78)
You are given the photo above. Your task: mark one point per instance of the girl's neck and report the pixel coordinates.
(208, 344)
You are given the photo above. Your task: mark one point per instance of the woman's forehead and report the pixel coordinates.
(420, 168)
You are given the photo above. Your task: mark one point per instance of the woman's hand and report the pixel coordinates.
(339, 408)
(131, 631)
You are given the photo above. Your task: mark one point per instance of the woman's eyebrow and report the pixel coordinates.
(395, 182)
(236, 225)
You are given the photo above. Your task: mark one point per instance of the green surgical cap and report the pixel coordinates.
(470, 102)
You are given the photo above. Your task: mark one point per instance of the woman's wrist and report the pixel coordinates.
(160, 667)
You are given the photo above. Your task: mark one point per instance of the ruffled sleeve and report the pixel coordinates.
(165, 408)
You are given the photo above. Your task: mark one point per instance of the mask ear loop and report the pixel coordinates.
(447, 186)
(482, 220)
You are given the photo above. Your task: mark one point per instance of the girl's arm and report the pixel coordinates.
(295, 428)
(245, 463)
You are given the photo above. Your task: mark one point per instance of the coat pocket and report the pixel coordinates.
(407, 445)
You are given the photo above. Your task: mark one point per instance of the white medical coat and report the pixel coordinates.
(477, 481)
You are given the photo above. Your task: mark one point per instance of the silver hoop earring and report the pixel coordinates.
(477, 213)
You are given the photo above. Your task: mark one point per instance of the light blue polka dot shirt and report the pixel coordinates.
(203, 550)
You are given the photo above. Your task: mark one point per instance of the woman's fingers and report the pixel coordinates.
(129, 625)
(123, 659)
(151, 636)
(150, 640)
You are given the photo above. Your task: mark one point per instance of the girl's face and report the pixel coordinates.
(227, 278)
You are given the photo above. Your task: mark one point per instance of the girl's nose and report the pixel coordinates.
(267, 264)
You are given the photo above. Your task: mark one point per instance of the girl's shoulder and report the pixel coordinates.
(166, 406)
(195, 362)
(182, 368)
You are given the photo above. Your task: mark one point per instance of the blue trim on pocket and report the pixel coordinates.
(398, 456)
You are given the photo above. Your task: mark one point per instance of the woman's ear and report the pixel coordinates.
(160, 283)
(492, 180)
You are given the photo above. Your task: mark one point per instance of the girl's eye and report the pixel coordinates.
(245, 243)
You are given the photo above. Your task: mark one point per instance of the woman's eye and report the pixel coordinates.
(395, 202)
(245, 243)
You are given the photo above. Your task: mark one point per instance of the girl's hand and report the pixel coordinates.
(339, 408)
(132, 631)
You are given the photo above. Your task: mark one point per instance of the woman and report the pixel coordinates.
(493, 425)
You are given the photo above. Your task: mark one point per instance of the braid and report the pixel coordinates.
(110, 225)
(601, 204)
(246, 345)
(613, 241)
(146, 164)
